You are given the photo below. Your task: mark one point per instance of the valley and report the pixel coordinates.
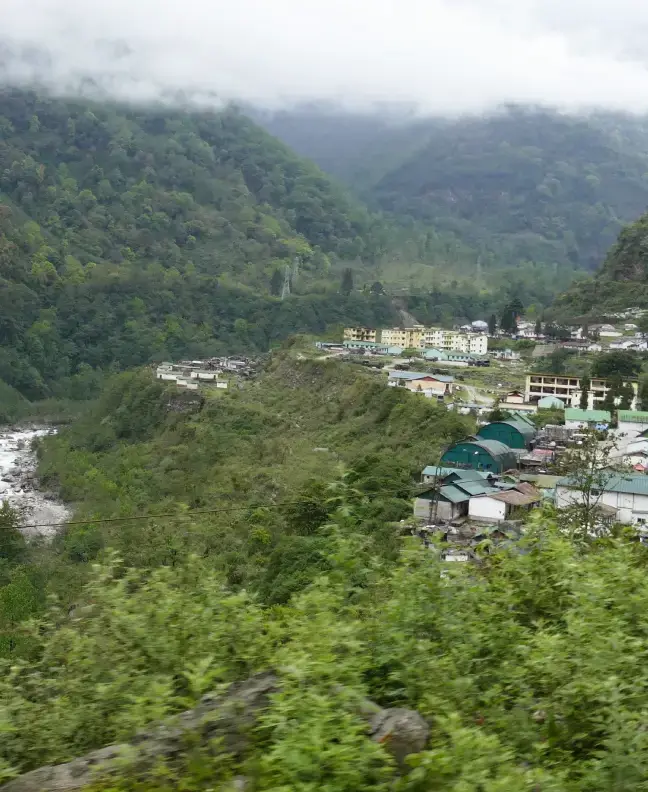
(306, 374)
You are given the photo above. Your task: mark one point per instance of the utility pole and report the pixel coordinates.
(285, 291)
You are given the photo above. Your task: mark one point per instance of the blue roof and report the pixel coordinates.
(414, 375)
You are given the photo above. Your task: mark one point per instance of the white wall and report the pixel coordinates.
(630, 429)
(630, 508)
(488, 509)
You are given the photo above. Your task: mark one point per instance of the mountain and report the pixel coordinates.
(524, 184)
(619, 285)
(129, 234)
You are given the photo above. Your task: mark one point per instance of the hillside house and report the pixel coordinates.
(625, 494)
(429, 385)
(586, 419)
(494, 506)
(631, 423)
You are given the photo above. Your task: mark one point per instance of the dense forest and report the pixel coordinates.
(522, 185)
(129, 235)
(529, 666)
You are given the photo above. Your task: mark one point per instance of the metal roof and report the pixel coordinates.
(549, 402)
(414, 375)
(516, 498)
(463, 474)
(587, 416)
(626, 483)
(453, 494)
(631, 416)
(522, 427)
(498, 451)
(474, 487)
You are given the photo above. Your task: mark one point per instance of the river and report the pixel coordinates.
(19, 485)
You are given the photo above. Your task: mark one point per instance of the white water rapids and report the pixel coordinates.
(19, 485)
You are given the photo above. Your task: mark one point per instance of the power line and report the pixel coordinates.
(166, 515)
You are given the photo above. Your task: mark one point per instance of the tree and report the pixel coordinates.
(642, 323)
(508, 323)
(347, 281)
(642, 395)
(377, 288)
(492, 325)
(12, 542)
(586, 384)
(276, 282)
(587, 466)
(538, 327)
(620, 363)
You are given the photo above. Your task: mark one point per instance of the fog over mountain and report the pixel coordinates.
(447, 56)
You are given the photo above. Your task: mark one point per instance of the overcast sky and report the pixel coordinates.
(446, 55)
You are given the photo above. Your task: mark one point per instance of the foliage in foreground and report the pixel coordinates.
(530, 669)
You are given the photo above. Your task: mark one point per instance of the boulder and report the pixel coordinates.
(221, 719)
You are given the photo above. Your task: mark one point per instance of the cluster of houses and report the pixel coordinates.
(191, 374)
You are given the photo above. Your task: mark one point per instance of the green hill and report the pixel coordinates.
(620, 284)
(133, 234)
(520, 185)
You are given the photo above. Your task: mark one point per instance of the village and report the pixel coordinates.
(486, 485)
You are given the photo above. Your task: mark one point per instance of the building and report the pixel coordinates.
(360, 334)
(430, 385)
(494, 506)
(551, 403)
(567, 389)
(454, 341)
(513, 432)
(406, 337)
(478, 454)
(631, 424)
(449, 494)
(582, 419)
(626, 494)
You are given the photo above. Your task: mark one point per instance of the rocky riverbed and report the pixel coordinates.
(19, 485)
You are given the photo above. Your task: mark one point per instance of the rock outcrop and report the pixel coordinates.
(225, 720)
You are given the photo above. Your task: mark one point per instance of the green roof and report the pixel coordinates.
(453, 494)
(587, 416)
(630, 416)
(474, 487)
(551, 402)
(628, 484)
(497, 450)
(444, 472)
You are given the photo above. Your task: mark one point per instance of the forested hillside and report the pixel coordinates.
(520, 185)
(620, 284)
(282, 551)
(135, 234)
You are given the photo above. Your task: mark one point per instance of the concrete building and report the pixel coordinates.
(360, 334)
(493, 507)
(551, 403)
(626, 494)
(567, 389)
(631, 424)
(454, 341)
(406, 337)
(430, 385)
(584, 419)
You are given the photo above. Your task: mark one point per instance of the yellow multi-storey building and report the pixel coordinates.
(360, 334)
(405, 337)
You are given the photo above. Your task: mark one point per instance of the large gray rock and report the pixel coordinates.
(229, 717)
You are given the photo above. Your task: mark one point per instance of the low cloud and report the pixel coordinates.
(447, 56)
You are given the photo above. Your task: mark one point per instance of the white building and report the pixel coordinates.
(497, 506)
(626, 494)
(630, 425)
(567, 389)
(454, 341)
